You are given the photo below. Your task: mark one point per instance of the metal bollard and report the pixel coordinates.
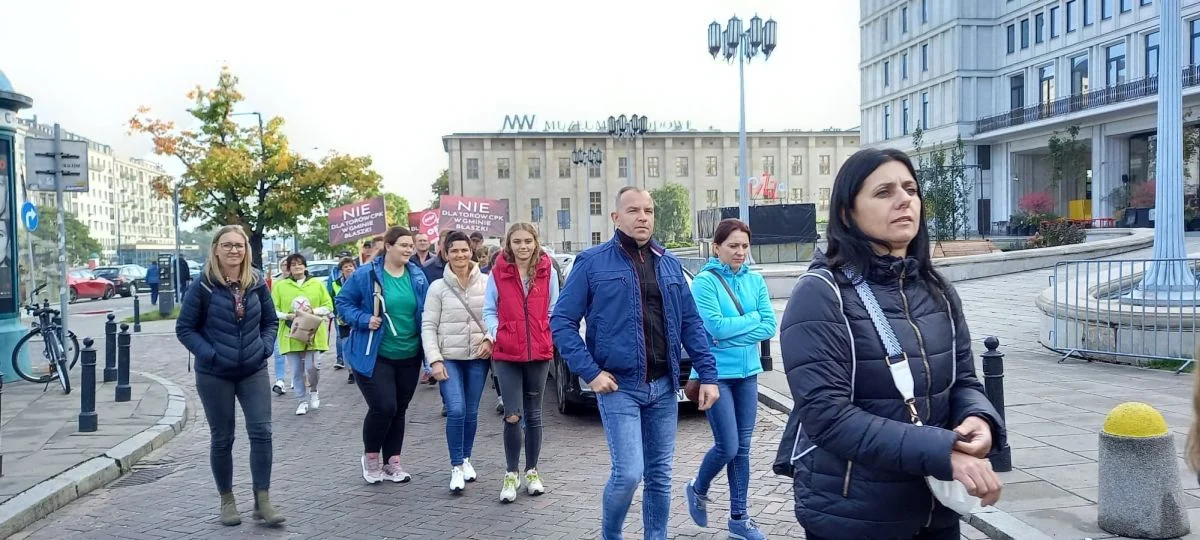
(124, 393)
(764, 353)
(137, 313)
(993, 383)
(110, 349)
(87, 395)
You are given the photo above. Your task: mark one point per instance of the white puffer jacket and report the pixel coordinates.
(448, 331)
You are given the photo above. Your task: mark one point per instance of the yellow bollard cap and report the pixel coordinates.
(1134, 419)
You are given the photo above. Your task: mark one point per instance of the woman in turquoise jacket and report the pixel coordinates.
(737, 313)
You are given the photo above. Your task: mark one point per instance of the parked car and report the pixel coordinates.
(127, 278)
(573, 392)
(83, 283)
(317, 269)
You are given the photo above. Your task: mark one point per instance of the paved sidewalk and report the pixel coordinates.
(1054, 411)
(48, 462)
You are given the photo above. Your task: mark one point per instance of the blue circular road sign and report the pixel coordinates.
(29, 216)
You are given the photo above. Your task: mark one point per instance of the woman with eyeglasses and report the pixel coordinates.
(228, 322)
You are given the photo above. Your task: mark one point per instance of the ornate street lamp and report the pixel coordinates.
(628, 128)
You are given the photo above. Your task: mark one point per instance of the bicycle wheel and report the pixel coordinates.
(72, 349)
(64, 376)
(37, 348)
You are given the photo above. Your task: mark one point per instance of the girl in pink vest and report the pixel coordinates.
(521, 290)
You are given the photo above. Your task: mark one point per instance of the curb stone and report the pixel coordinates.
(58, 491)
(995, 523)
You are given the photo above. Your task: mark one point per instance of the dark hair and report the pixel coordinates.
(727, 227)
(476, 235)
(847, 244)
(344, 261)
(456, 236)
(368, 243)
(393, 234)
(294, 258)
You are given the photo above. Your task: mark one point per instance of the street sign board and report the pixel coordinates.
(29, 216)
(39, 164)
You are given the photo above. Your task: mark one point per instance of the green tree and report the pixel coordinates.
(397, 209)
(79, 243)
(248, 176)
(200, 236)
(672, 213)
(441, 186)
(945, 191)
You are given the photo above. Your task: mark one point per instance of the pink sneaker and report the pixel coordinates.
(372, 469)
(394, 472)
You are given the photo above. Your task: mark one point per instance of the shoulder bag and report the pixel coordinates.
(467, 306)
(951, 493)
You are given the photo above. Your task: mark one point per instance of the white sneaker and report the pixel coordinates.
(394, 472)
(303, 408)
(457, 484)
(371, 471)
(508, 492)
(468, 471)
(314, 402)
(533, 483)
(278, 387)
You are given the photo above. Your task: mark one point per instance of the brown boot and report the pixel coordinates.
(229, 511)
(263, 509)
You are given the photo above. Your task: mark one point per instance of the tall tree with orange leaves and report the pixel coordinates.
(235, 174)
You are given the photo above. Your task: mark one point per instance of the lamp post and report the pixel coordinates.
(744, 44)
(629, 129)
(589, 157)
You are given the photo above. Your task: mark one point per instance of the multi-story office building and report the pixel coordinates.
(119, 201)
(534, 169)
(1006, 75)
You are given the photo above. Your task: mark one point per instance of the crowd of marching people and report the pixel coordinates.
(889, 436)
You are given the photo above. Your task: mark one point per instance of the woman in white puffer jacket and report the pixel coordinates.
(458, 350)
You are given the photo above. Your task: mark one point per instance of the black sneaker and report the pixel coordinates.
(350, 378)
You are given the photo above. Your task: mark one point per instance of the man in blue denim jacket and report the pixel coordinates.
(639, 310)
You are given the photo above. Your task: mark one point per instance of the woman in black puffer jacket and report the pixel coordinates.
(862, 460)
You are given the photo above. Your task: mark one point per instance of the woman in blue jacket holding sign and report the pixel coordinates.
(737, 313)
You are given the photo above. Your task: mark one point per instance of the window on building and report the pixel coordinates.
(564, 203)
(1152, 43)
(1016, 91)
(768, 165)
(681, 166)
(885, 29)
(887, 73)
(797, 194)
(593, 170)
(1039, 28)
(503, 169)
(1024, 33)
(1195, 42)
(904, 117)
(904, 66)
(1126, 5)
(1106, 9)
(904, 20)
(1046, 84)
(1114, 64)
(535, 167)
(1012, 39)
(925, 57)
(797, 165)
(1147, 2)
(824, 165)
(924, 11)
(472, 169)
(887, 119)
(1079, 74)
(652, 167)
(564, 167)
(504, 203)
(737, 195)
(924, 110)
(535, 210)
(1087, 13)
(1054, 22)
(594, 203)
(710, 166)
(595, 239)
(1071, 16)
(623, 167)
(710, 198)
(824, 198)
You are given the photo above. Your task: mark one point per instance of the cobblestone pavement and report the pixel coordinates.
(316, 481)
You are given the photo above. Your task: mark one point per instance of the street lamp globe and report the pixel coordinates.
(714, 39)
(734, 35)
(756, 33)
(612, 125)
(770, 31)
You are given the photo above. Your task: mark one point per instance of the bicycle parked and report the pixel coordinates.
(59, 360)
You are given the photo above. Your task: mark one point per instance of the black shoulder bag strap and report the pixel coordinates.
(732, 296)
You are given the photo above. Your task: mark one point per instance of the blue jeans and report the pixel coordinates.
(280, 363)
(732, 419)
(639, 424)
(461, 393)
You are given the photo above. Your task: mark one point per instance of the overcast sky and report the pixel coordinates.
(390, 78)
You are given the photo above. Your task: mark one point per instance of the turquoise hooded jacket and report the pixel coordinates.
(734, 338)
